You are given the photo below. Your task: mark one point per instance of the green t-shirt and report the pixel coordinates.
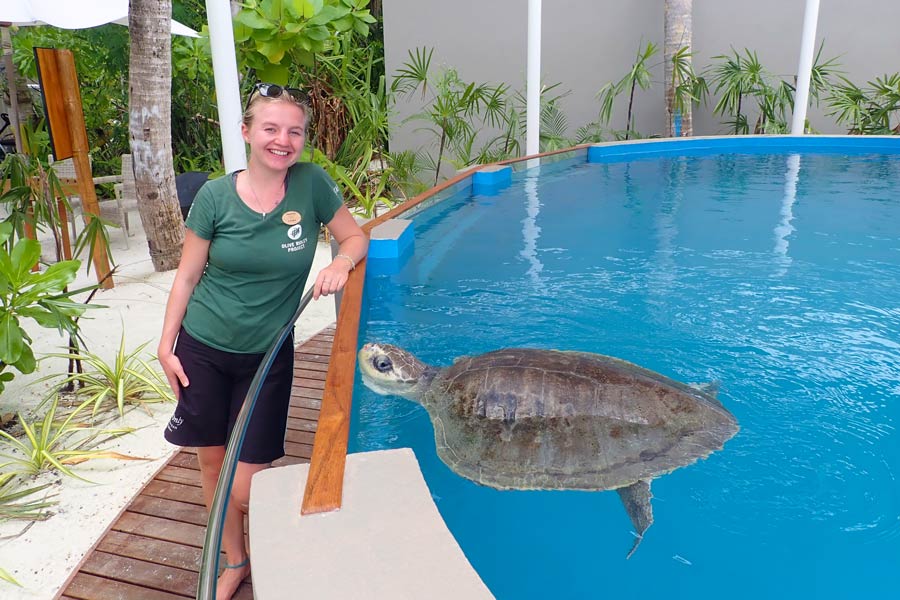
(257, 265)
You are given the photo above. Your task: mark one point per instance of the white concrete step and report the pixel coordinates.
(387, 541)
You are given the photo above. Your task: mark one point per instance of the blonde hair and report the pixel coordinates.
(257, 99)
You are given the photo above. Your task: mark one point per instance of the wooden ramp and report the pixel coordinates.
(152, 551)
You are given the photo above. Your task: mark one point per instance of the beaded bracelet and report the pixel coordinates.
(352, 263)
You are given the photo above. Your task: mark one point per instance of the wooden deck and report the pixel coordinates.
(152, 551)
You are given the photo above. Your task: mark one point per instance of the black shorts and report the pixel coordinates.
(219, 380)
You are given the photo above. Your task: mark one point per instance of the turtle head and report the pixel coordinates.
(393, 371)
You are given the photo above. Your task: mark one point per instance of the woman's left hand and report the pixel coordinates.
(331, 279)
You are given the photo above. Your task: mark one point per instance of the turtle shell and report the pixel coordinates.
(547, 419)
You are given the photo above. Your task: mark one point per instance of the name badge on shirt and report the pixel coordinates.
(291, 217)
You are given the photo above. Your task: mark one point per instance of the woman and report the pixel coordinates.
(249, 245)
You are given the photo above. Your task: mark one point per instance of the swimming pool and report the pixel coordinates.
(771, 272)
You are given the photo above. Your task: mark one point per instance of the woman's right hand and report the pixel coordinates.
(174, 372)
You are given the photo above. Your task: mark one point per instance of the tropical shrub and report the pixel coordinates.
(56, 442)
(128, 380)
(26, 294)
(872, 109)
(638, 76)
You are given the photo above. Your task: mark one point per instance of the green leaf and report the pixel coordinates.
(26, 363)
(6, 229)
(319, 34)
(343, 24)
(44, 317)
(11, 341)
(274, 73)
(328, 14)
(273, 51)
(311, 8)
(253, 20)
(25, 255)
(361, 28)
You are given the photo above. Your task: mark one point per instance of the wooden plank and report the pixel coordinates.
(306, 398)
(180, 475)
(172, 510)
(176, 491)
(290, 460)
(91, 587)
(187, 460)
(300, 437)
(299, 412)
(325, 483)
(313, 357)
(160, 529)
(308, 383)
(151, 550)
(302, 424)
(301, 450)
(142, 573)
(314, 367)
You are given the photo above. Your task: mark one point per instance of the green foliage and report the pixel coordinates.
(128, 380)
(195, 131)
(56, 443)
(405, 167)
(12, 505)
(739, 77)
(688, 87)
(452, 108)
(867, 110)
(364, 187)
(638, 76)
(277, 35)
(26, 294)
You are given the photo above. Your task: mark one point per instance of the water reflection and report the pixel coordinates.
(531, 231)
(784, 227)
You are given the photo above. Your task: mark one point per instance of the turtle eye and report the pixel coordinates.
(383, 363)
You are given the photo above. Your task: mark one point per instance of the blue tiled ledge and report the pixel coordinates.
(846, 144)
(492, 179)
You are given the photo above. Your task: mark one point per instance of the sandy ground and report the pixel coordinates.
(43, 557)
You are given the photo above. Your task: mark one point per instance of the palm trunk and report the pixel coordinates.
(437, 170)
(630, 106)
(150, 105)
(678, 34)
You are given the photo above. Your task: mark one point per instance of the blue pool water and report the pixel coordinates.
(775, 275)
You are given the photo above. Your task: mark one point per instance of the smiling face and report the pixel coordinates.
(275, 129)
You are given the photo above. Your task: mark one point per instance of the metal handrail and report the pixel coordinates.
(209, 560)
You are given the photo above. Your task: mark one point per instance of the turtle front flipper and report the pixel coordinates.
(636, 498)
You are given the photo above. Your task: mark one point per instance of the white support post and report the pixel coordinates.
(804, 70)
(228, 93)
(533, 85)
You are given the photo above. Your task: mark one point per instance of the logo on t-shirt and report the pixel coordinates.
(295, 232)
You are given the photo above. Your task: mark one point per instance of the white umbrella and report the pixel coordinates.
(67, 14)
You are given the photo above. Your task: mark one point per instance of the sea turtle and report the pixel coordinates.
(532, 419)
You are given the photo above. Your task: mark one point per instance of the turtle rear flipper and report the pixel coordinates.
(636, 498)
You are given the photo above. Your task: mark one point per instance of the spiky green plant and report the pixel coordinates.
(129, 379)
(56, 443)
(11, 505)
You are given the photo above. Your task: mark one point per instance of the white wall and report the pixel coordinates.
(587, 43)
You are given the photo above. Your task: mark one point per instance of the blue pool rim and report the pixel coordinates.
(848, 144)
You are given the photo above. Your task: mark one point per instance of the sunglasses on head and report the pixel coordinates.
(271, 90)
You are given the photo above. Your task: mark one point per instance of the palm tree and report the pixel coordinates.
(150, 106)
(677, 54)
